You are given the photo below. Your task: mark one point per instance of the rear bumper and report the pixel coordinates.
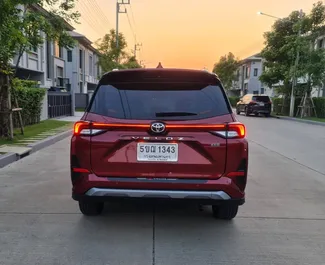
(258, 109)
(93, 188)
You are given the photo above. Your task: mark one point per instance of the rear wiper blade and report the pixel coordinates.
(175, 114)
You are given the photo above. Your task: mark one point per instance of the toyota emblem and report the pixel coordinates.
(158, 127)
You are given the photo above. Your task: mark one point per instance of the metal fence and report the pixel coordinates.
(81, 100)
(59, 104)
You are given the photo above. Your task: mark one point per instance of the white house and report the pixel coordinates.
(248, 74)
(44, 64)
(82, 67)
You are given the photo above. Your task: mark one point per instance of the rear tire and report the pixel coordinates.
(246, 112)
(91, 208)
(267, 115)
(225, 212)
(237, 111)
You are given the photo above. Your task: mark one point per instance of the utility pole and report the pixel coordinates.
(294, 78)
(136, 48)
(119, 11)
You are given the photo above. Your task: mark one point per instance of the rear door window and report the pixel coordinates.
(160, 103)
(264, 99)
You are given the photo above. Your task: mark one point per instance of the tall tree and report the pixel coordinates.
(24, 25)
(282, 44)
(280, 52)
(113, 57)
(226, 68)
(131, 63)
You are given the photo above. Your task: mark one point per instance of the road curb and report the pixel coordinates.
(300, 120)
(9, 158)
(49, 141)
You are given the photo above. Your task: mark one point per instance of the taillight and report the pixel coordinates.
(86, 129)
(94, 128)
(252, 102)
(234, 130)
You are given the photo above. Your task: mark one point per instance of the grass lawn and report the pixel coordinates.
(315, 119)
(80, 109)
(33, 130)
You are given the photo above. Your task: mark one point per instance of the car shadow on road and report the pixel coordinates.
(185, 211)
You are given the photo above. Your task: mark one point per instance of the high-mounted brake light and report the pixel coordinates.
(231, 130)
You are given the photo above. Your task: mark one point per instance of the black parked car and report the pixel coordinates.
(254, 104)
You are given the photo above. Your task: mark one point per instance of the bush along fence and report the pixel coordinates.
(282, 107)
(29, 98)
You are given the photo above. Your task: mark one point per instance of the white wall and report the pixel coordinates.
(44, 112)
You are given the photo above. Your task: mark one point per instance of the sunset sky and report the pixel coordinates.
(188, 33)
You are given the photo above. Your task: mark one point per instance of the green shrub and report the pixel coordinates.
(29, 98)
(320, 107)
(278, 102)
(233, 101)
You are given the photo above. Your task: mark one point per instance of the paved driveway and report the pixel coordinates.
(283, 221)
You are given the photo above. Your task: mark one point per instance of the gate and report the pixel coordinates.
(59, 104)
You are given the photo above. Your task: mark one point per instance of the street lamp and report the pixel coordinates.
(294, 78)
(263, 14)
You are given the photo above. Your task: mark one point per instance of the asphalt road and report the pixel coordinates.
(282, 222)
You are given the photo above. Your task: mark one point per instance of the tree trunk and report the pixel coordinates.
(4, 118)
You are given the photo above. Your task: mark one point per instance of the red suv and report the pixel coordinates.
(159, 134)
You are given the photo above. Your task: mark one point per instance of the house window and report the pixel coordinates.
(255, 71)
(69, 55)
(90, 65)
(80, 59)
(262, 90)
(58, 51)
(255, 92)
(48, 59)
(34, 49)
(59, 75)
(247, 73)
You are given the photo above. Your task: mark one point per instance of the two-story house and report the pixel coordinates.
(83, 69)
(44, 64)
(248, 74)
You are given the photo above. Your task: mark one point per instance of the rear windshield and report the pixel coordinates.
(159, 103)
(261, 98)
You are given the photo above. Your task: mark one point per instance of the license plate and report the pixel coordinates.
(159, 152)
(261, 104)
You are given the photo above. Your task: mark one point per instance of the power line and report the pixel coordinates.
(132, 14)
(101, 13)
(89, 19)
(94, 16)
(134, 35)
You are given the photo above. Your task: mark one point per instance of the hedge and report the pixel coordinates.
(278, 102)
(277, 106)
(29, 98)
(233, 101)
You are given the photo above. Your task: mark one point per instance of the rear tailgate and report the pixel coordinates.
(126, 146)
(195, 153)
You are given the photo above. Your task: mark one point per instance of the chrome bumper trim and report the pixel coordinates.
(168, 194)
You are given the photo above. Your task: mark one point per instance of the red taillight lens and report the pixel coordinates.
(234, 130)
(238, 128)
(252, 102)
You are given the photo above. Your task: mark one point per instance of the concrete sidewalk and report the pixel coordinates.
(77, 116)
